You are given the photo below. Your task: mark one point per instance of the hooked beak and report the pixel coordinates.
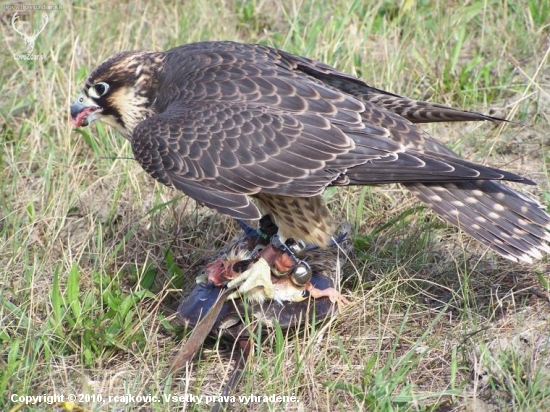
(83, 111)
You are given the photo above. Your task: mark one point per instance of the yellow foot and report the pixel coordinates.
(254, 283)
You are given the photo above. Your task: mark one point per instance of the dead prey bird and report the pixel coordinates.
(244, 324)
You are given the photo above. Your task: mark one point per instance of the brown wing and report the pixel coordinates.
(236, 120)
(220, 153)
(416, 111)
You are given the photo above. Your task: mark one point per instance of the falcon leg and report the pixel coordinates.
(294, 251)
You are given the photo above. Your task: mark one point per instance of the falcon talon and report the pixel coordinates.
(254, 283)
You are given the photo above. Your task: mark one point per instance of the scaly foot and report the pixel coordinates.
(254, 283)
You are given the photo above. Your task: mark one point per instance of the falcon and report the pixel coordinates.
(247, 129)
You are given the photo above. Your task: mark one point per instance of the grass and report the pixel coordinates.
(93, 252)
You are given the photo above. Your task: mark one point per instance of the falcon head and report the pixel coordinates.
(120, 92)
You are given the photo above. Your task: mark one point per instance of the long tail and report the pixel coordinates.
(514, 226)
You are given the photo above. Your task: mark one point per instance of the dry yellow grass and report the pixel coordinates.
(93, 252)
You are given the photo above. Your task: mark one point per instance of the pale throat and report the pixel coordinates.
(133, 109)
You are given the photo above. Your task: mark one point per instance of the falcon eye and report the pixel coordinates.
(98, 90)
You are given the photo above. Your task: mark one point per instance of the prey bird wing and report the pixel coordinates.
(224, 122)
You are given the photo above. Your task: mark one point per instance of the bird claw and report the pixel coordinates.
(253, 282)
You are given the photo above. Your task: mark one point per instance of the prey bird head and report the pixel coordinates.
(120, 92)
